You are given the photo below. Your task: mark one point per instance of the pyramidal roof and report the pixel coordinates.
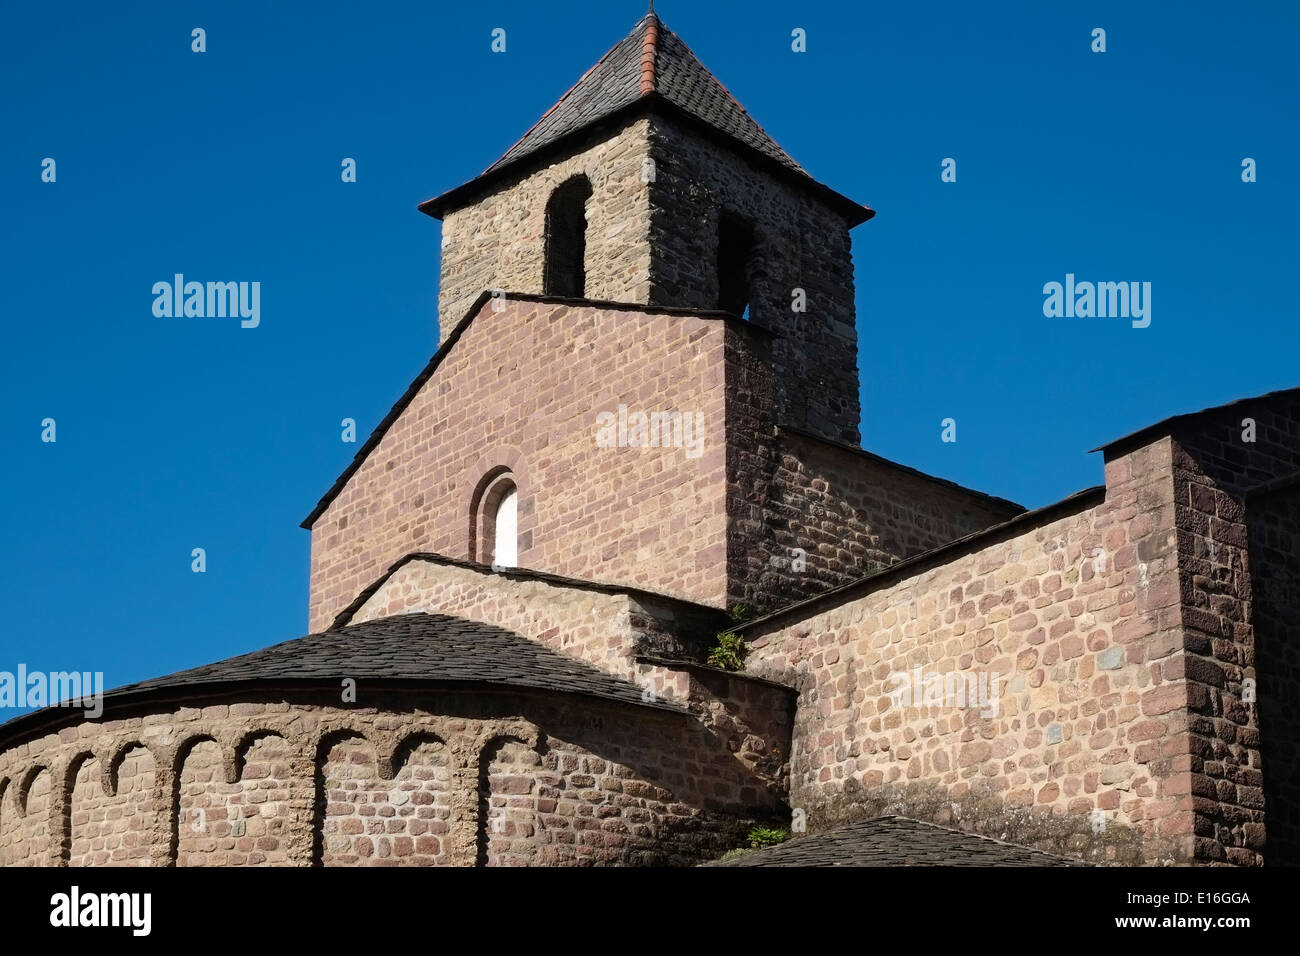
(651, 66)
(650, 59)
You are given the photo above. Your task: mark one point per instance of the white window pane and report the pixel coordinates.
(505, 551)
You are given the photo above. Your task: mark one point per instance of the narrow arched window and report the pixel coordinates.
(735, 264)
(494, 521)
(566, 239)
(505, 532)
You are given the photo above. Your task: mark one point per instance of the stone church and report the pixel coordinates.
(637, 446)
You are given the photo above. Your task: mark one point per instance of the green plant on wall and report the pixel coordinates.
(729, 653)
(730, 650)
(760, 837)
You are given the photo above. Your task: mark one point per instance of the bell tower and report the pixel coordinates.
(648, 183)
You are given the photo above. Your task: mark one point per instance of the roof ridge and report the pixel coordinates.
(650, 53)
(650, 71)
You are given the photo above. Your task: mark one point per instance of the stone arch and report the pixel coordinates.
(130, 782)
(248, 741)
(35, 800)
(483, 501)
(28, 781)
(73, 768)
(406, 747)
(421, 795)
(507, 824)
(186, 746)
(118, 756)
(203, 780)
(740, 264)
(90, 786)
(494, 488)
(345, 760)
(564, 254)
(260, 806)
(479, 478)
(5, 816)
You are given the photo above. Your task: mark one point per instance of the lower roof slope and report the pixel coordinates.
(895, 841)
(409, 647)
(405, 648)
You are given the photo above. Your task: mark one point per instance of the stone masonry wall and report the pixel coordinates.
(848, 512)
(427, 778)
(653, 241)
(521, 390)
(241, 823)
(1215, 471)
(607, 628)
(110, 811)
(851, 514)
(405, 821)
(649, 642)
(593, 626)
(1078, 617)
(751, 393)
(499, 242)
(801, 243)
(26, 809)
(1274, 528)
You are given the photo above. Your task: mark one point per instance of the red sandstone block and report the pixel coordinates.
(1162, 700)
(1176, 824)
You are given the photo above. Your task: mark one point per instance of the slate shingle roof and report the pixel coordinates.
(650, 65)
(650, 59)
(613, 83)
(684, 81)
(1166, 423)
(896, 841)
(424, 648)
(409, 647)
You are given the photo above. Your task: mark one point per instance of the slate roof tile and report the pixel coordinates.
(895, 841)
(684, 81)
(410, 647)
(650, 59)
(651, 67)
(614, 82)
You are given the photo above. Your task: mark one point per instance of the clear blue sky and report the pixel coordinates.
(183, 433)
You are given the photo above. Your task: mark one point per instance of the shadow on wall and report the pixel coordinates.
(1274, 528)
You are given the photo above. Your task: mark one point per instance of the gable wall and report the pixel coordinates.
(593, 626)
(522, 388)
